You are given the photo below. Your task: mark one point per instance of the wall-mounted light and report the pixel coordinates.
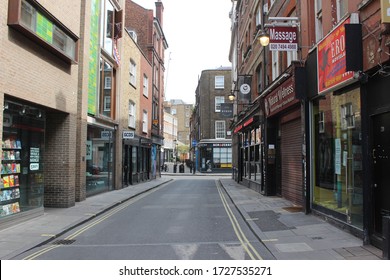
(231, 96)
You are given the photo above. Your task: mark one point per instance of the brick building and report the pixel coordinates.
(39, 90)
(66, 90)
(318, 120)
(210, 134)
(152, 42)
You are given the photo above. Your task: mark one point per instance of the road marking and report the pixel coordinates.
(251, 251)
(96, 222)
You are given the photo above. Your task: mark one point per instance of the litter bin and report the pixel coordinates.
(181, 168)
(174, 168)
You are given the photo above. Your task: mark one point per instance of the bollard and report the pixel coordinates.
(386, 237)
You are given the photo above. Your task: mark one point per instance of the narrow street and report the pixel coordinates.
(186, 219)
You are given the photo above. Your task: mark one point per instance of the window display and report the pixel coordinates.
(21, 185)
(338, 156)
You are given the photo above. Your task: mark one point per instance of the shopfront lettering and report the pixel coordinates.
(280, 35)
(281, 98)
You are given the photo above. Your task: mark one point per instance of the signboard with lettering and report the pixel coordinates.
(128, 134)
(331, 57)
(281, 98)
(226, 110)
(283, 38)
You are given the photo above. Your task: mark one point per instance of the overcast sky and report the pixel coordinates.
(198, 36)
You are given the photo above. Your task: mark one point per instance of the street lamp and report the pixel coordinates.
(263, 38)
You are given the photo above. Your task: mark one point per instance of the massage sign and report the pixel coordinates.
(283, 38)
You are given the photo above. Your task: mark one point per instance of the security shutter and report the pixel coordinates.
(291, 157)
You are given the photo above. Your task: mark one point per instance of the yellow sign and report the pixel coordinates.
(385, 11)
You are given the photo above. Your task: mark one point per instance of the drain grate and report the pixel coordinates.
(64, 242)
(317, 238)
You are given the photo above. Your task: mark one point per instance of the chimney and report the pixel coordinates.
(159, 11)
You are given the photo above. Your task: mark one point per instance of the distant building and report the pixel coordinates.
(211, 144)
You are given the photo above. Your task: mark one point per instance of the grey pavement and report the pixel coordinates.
(286, 232)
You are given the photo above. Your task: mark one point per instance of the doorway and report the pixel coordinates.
(381, 174)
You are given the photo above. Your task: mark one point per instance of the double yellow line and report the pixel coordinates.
(90, 225)
(249, 249)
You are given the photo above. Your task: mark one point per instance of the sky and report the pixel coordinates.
(198, 35)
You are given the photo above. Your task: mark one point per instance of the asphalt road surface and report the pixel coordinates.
(186, 219)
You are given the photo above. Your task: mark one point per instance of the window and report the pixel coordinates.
(145, 122)
(291, 56)
(132, 110)
(44, 29)
(107, 82)
(275, 65)
(107, 92)
(173, 111)
(107, 103)
(218, 101)
(220, 130)
(107, 26)
(321, 122)
(342, 9)
(258, 16)
(146, 86)
(220, 82)
(318, 23)
(347, 116)
(133, 73)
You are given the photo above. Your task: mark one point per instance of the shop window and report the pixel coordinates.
(99, 159)
(22, 177)
(338, 178)
(347, 116)
(321, 122)
(33, 20)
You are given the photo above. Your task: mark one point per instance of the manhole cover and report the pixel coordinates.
(64, 242)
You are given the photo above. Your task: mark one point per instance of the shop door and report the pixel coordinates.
(381, 164)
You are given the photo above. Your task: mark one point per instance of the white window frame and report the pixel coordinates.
(291, 56)
(219, 82)
(145, 121)
(107, 104)
(132, 114)
(218, 101)
(321, 122)
(145, 86)
(220, 129)
(107, 82)
(341, 12)
(275, 65)
(133, 73)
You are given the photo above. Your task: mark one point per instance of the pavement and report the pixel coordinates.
(287, 232)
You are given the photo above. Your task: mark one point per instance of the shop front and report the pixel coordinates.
(136, 159)
(22, 168)
(215, 156)
(251, 153)
(336, 134)
(284, 142)
(100, 159)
